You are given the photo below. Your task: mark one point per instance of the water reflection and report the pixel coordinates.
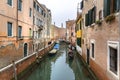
(58, 67)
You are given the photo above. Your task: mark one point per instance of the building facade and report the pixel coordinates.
(70, 31)
(78, 30)
(42, 22)
(100, 34)
(57, 32)
(22, 24)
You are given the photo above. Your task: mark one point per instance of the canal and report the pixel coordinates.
(59, 67)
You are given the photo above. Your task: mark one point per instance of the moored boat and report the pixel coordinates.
(52, 52)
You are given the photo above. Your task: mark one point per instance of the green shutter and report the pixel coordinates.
(86, 20)
(106, 6)
(90, 17)
(94, 14)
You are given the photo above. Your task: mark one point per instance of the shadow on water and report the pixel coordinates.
(59, 67)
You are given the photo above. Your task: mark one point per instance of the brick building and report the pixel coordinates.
(19, 20)
(57, 32)
(70, 31)
(42, 23)
(100, 34)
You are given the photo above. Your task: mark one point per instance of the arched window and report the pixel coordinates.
(25, 49)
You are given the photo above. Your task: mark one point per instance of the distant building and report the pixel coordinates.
(78, 30)
(42, 22)
(70, 31)
(57, 32)
(100, 34)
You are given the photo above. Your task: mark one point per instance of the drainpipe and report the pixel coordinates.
(119, 38)
(14, 68)
(17, 21)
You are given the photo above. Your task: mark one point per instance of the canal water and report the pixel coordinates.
(59, 67)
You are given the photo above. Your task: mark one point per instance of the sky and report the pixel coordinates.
(61, 10)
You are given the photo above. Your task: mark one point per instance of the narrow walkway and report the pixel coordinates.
(59, 67)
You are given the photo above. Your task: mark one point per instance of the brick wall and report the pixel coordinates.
(8, 72)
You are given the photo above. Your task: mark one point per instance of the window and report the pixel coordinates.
(82, 4)
(113, 60)
(30, 12)
(44, 14)
(40, 10)
(92, 50)
(30, 33)
(93, 12)
(33, 19)
(100, 14)
(90, 17)
(111, 6)
(19, 5)
(19, 32)
(37, 8)
(79, 42)
(34, 5)
(25, 49)
(9, 28)
(113, 57)
(9, 2)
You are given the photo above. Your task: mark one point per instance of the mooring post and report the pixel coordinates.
(14, 68)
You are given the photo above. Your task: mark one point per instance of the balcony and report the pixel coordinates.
(40, 27)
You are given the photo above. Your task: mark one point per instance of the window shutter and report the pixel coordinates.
(81, 5)
(117, 5)
(94, 14)
(90, 17)
(86, 23)
(106, 7)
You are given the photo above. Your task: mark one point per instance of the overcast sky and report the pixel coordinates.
(62, 10)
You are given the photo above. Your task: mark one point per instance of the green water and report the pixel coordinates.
(59, 67)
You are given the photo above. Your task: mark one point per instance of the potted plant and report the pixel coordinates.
(110, 18)
(99, 22)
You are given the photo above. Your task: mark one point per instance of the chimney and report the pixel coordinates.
(61, 25)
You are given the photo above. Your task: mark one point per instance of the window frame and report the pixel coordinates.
(91, 53)
(113, 44)
(21, 32)
(27, 50)
(30, 12)
(9, 3)
(19, 6)
(11, 30)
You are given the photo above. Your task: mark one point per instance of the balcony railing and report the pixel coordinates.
(40, 27)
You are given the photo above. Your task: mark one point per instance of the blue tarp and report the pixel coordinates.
(56, 46)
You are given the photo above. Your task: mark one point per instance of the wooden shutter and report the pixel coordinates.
(94, 14)
(106, 7)
(86, 19)
(90, 17)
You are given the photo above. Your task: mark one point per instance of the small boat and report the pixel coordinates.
(56, 46)
(70, 55)
(52, 52)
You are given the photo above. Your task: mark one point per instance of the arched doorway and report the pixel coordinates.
(25, 49)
